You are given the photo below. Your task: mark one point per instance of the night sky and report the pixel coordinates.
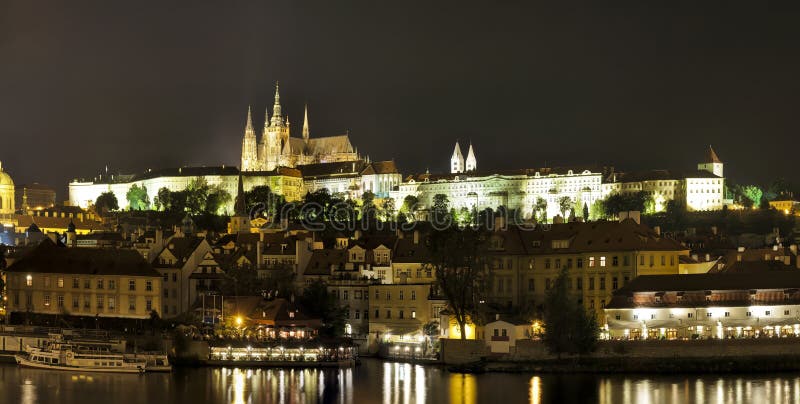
(137, 86)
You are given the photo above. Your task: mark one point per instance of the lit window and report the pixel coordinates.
(28, 280)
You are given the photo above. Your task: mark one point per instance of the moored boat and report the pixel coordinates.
(59, 356)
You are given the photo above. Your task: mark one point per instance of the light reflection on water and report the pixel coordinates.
(391, 383)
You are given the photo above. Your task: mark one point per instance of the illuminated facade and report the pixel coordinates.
(401, 310)
(721, 305)
(83, 282)
(278, 149)
(6, 197)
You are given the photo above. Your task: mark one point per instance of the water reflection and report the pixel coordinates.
(391, 383)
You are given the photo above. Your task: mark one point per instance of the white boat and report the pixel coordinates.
(154, 362)
(59, 356)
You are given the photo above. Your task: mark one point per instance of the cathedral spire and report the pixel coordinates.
(306, 132)
(276, 108)
(249, 125)
(457, 160)
(266, 117)
(472, 162)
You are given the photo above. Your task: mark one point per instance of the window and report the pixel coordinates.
(87, 283)
(357, 314)
(131, 284)
(47, 281)
(786, 312)
(652, 259)
(377, 295)
(505, 332)
(547, 284)
(165, 277)
(60, 282)
(602, 283)
(401, 295)
(579, 262)
(112, 284)
(748, 314)
(75, 302)
(496, 332)
(579, 283)
(569, 262)
(148, 305)
(111, 303)
(388, 295)
(614, 283)
(166, 292)
(625, 260)
(602, 261)
(767, 313)
(99, 284)
(641, 260)
(635, 316)
(591, 262)
(174, 276)
(388, 314)
(47, 300)
(663, 260)
(618, 317)
(99, 302)
(547, 263)
(345, 295)
(400, 316)
(86, 303)
(377, 313)
(357, 295)
(28, 280)
(727, 314)
(413, 314)
(413, 295)
(531, 285)
(132, 303)
(591, 283)
(708, 314)
(688, 315)
(558, 263)
(60, 300)
(148, 286)
(614, 261)
(672, 260)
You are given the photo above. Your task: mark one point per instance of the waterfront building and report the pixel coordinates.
(600, 257)
(176, 262)
(56, 280)
(728, 305)
(501, 335)
(398, 312)
(787, 206)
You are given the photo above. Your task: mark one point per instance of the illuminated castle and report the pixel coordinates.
(278, 149)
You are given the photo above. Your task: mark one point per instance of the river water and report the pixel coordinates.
(384, 382)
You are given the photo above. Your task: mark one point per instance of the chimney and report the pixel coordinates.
(497, 317)
(708, 257)
(159, 237)
(714, 230)
(657, 229)
(416, 236)
(357, 234)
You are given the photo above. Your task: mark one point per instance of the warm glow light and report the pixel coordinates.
(239, 321)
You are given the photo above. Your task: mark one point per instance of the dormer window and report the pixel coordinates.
(556, 244)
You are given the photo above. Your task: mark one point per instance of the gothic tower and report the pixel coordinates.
(457, 161)
(471, 163)
(275, 135)
(249, 146)
(306, 133)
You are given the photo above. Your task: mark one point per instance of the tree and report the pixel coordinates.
(368, 205)
(753, 193)
(197, 196)
(387, 209)
(569, 328)
(217, 199)
(137, 198)
(585, 212)
(409, 207)
(540, 209)
(564, 204)
(106, 202)
(456, 259)
(318, 302)
(163, 199)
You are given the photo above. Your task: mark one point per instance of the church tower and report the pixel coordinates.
(712, 163)
(240, 221)
(471, 163)
(457, 161)
(249, 146)
(306, 133)
(275, 135)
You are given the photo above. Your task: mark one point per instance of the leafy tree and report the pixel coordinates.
(137, 198)
(368, 205)
(764, 203)
(387, 209)
(753, 193)
(456, 259)
(318, 302)
(197, 195)
(564, 204)
(178, 201)
(106, 202)
(585, 212)
(409, 207)
(440, 212)
(569, 328)
(218, 199)
(540, 209)
(163, 199)
(261, 195)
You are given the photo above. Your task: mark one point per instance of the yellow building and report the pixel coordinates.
(787, 206)
(600, 257)
(6, 197)
(83, 282)
(401, 310)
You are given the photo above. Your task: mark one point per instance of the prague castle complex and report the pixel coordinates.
(293, 166)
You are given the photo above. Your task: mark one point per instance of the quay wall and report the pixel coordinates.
(457, 352)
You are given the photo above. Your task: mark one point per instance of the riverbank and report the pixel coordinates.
(742, 364)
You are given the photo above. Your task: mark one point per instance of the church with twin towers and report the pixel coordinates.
(277, 147)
